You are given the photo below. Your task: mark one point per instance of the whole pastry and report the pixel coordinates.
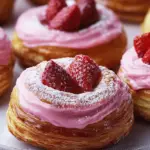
(146, 23)
(70, 103)
(39, 2)
(6, 63)
(128, 10)
(135, 70)
(6, 8)
(49, 32)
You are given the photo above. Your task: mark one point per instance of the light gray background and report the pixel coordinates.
(138, 139)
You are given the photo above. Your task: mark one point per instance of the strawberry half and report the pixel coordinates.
(85, 72)
(142, 44)
(56, 77)
(68, 19)
(146, 57)
(89, 14)
(54, 7)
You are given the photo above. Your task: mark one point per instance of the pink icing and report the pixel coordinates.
(5, 48)
(67, 109)
(137, 72)
(33, 33)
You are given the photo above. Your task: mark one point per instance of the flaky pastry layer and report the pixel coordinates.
(6, 75)
(108, 54)
(32, 130)
(133, 11)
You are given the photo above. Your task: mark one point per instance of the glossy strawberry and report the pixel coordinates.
(56, 77)
(146, 57)
(68, 19)
(85, 72)
(142, 44)
(54, 7)
(89, 14)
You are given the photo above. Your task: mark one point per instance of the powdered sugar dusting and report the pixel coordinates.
(107, 88)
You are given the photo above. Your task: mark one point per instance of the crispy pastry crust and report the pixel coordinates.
(32, 130)
(128, 10)
(6, 8)
(6, 75)
(141, 100)
(104, 55)
(39, 2)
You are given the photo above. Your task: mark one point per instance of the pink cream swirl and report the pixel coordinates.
(33, 33)
(70, 110)
(5, 48)
(134, 70)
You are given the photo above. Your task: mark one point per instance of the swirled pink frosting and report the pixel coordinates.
(5, 48)
(134, 70)
(67, 109)
(33, 33)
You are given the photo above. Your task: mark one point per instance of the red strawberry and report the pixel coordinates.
(68, 19)
(142, 44)
(54, 7)
(56, 77)
(85, 72)
(89, 14)
(146, 57)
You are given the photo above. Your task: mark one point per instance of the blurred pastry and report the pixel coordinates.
(135, 70)
(6, 8)
(6, 63)
(46, 32)
(39, 2)
(146, 23)
(51, 104)
(128, 10)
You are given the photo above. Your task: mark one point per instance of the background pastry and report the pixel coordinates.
(6, 63)
(128, 10)
(96, 32)
(135, 70)
(6, 8)
(45, 111)
(146, 23)
(40, 2)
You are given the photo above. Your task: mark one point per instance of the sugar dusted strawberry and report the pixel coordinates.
(54, 7)
(142, 44)
(89, 14)
(146, 57)
(56, 77)
(68, 19)
(85, 72)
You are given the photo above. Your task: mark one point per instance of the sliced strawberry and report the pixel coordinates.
(89, 14)
(54, 7)
(68, 19)
(146, 57)
(56, 77)
(142, 44)
(85, 72)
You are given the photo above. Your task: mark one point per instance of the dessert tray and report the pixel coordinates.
(138, 139)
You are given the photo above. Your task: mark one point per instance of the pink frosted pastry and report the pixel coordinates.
(97, 33)
(6, 62)
(135, 70)
(70, 101)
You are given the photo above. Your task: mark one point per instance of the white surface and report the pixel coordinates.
(138, 138)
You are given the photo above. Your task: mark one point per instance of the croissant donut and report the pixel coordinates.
(40, 2)
(6, 8)
(135, 70)
(53, 119)
(6, 63)
(128, 10)
(34, 42)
